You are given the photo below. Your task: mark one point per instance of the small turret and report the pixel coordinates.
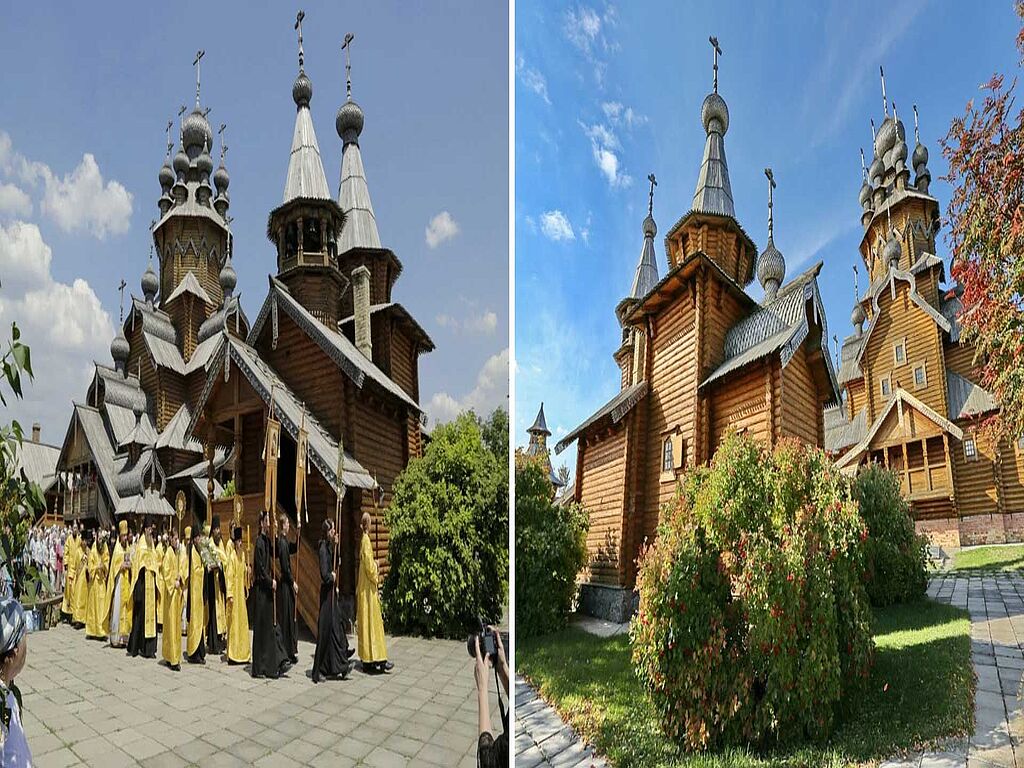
(771, 265)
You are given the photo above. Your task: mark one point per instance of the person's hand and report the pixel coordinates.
(273, 583)
(501, 647)
(480, 668)
(295, 586)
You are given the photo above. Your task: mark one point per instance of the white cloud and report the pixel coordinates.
(80, 201)
(585, 229)
(582, 26)
(484, 323)
(605, 146)
(619, 114)
(490, 392)
(556, 226)
(64, 325)
(14, 200)
(532, 79)
(440, 229)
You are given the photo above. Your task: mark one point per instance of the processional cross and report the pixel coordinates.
(195, 63)
(718, 52)
(346, 47)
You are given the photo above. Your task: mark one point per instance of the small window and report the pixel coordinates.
(1020, 443)
(920, 377)
(900, 352)
(666, 455)
(970, 449)
(886, 385)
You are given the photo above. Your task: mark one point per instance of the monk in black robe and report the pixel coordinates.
(268, 656)
(331, 658)
(215, 590)
(142, 639)
(287, 591)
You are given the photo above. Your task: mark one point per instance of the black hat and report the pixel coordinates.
(215, 522)
(236, 533)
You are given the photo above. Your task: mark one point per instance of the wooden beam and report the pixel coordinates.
(927, 469)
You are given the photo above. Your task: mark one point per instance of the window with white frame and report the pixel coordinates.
(920, 376)
(970, 449)
(886, 386)
(899, 352)
(666, 455)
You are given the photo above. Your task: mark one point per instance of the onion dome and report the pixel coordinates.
(892, 250)
(119, 350)
(349, 121)
(857, 316)
(865, 195)
(150, 283)
(771, 269)
(920, 156)
(181, 162)
(166, 175)
(876, 170)
(649, 227)
(886, 136)
(228, 278)
(195, 131)
(204, 163)
(221, 178)
(302, 90)
(714, 114)
(899, 154)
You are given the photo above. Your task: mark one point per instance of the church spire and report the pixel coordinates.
(306, 177)
(647, 269)
(360, 230)
(714, 192)
(771, 266)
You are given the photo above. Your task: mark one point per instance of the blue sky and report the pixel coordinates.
(608, 93)
(85, 98)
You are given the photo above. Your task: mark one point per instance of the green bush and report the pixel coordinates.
(753, 621)
(448, 536)
(895, 556)
(551, 549)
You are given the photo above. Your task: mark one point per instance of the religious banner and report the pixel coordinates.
(301, 457)
(270, 453)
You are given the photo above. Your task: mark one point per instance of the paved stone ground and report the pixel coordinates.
(542, 739)
(996, 605)
(87, 704)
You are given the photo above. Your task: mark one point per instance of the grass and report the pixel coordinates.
(921, 691)
(986, 559)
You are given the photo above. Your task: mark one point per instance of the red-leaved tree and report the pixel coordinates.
(985, 151)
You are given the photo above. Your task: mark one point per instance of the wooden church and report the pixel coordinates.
(700, 358)
(911, 397)
(186, 403)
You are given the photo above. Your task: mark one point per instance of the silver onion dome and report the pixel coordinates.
(166, 176)
(349, 121)
(876, 170)
(204, 163)
(714, 112)
(649, 227)
(857, 316)
(228, 278)
(899, 153)
(892, 250)
(302, 90)
(771, 266)
(150, 283)
(920, 155)
(865, 195)
(196, 132)
(886, 136)
(221, 179)
(181, 162)
(119, 349)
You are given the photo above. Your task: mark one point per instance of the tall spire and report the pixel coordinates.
(360, 230)
(306, 177)
(771, 265)
(646, 276)
(714, 192)
(195, 63)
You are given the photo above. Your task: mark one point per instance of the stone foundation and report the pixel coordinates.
(604, 601)
(942, 532)
(970, 530)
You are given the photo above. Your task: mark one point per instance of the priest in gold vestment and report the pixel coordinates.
(237, 575)
(170, 574)
(142, 639)
(96, 590)
(373, 653)
(81, 596)
(118, 600)
(195, 613)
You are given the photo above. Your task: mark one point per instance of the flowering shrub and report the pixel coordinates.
(753, 620)
(895, 556)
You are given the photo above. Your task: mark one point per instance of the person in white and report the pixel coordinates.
(14, 750)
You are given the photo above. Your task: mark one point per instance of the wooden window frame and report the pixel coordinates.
(973, 454)
(673, 447)
(923, 367)
(887, 379)
(667, 449)
(902, 343)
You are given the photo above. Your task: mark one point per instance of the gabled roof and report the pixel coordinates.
(91, 422)
(201, 468)
(360, 230)
(615, 409)
(848, 356)
(967, 398)
(899, 396)
(287, 407)
(175, 434)
(39, 463)
(842, 433)
(163, 353)
(334, 344)
(124, 391)
(402, 315)
(154, 321)
(201, 354)
(927, 261)
(778, 326)
(188, 284)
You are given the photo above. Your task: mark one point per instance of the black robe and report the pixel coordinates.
(138, 643)
(214, 642)
(286, 597)
(268, 656)
(331, 656)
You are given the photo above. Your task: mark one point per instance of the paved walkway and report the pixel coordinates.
(542, 739)
(996, 605)
(87, 704)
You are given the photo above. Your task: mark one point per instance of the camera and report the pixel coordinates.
(488, 643)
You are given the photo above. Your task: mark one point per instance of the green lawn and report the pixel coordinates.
(1002, 558)
(921, 690)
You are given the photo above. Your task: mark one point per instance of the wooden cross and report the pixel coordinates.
(718, 52)
(195, 63)
(298, 26)
(345, 46)
(120, 289)
(223, 146)
(650, 196)
(771, 186)
(168, 134)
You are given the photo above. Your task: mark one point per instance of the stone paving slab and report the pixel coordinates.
(542, 739)
(87, 704)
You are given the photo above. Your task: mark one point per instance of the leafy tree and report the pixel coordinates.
(448, 535)
(495, 434)
(563, 475)
(985, 151)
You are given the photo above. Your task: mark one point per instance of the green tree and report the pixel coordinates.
(551, 550)
(985, 151)
(448, 535)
